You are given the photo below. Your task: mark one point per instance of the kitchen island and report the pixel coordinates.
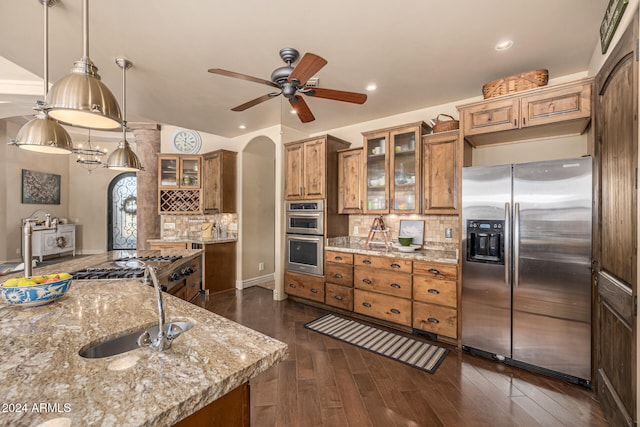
(44, 379)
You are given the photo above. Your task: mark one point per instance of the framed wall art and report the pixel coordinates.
(40, 188)
(413, 228)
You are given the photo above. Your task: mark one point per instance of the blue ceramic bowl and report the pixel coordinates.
(32, 296)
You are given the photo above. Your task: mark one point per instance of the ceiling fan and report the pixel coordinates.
(291, 81)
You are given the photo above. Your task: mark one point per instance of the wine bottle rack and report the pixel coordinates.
(180, 201)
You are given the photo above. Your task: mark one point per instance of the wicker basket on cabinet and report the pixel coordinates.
(516, 83)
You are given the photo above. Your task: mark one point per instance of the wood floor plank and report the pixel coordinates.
(326, 382)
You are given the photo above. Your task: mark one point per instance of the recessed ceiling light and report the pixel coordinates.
(504, 45)
(293, 112)
(242, 127)
(371, 87)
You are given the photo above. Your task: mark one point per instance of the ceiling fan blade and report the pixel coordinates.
(255, 101)
(302, 109)
(337, 95)
(307, 67)
(242, 76)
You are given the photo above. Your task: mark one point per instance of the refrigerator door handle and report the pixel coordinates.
(507, 244)
(516, 244)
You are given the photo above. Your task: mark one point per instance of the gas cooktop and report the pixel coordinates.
(121, 268)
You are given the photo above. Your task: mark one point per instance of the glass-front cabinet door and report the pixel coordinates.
(168, 171)
(404, 180)
(377, 167)
(190, 171)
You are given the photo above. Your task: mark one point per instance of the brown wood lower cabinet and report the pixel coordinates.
(338, 296)
(219, 265)
(384, 307)
(231, 410)
(304, 286)
(435, 319)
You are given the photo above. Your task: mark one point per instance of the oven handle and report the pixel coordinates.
(310, 239)
(307, 215)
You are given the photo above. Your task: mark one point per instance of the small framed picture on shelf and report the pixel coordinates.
(412, 228)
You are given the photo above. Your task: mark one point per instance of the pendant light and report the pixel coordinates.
(123, 158)
(42, 134)
(80, 98)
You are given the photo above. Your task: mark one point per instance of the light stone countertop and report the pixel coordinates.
(435, 253)
(193, 240)
(40, 364)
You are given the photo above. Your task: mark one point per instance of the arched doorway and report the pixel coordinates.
(122, 225)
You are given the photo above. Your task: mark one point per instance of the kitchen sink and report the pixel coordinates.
(124, 343)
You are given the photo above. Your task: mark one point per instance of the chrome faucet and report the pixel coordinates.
(28, 244)
(164, 338)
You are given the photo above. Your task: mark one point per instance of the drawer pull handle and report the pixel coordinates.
(338, 258)
(395, 311)
(366, 304)
(339, 297)
(433, 291)
(367, 281)
(395, 285)
(394, 265)
(433, 320)
(434, 271)
(315, 291)
(292, 285)
(338, 276)
(366, 261)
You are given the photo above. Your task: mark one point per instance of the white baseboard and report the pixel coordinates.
(255, 281)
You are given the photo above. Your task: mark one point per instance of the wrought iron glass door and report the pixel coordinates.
(122, 217)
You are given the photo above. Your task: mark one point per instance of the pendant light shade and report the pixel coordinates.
(80, 98)
(42, 134)
(124, 158)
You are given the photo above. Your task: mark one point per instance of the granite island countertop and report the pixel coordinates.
(80, 262)
(41, 365)
(431, 252)
(197, 240)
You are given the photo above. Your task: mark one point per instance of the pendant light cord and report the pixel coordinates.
(85, 29)
(46, 48)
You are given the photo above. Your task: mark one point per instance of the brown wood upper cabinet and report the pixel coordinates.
(350, 191)
(219, 181)
(441, 163)
(306, 167)
(392, 169)
(179, 184)
(562, 109)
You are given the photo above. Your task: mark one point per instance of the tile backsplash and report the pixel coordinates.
(190, 226)
(435, 226)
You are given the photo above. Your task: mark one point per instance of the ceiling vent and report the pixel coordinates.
(313, 82)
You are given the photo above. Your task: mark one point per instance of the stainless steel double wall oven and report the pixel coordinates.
(305, 237)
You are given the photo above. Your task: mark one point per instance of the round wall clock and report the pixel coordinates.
(186, 141)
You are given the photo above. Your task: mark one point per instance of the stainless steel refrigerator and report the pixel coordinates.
(526, 265)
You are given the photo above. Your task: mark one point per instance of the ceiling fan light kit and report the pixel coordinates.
(80, 98)
(42, 134)
(293, 81)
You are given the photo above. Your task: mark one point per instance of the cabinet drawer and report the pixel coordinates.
(436, 319)
(386, 282)
(553, 106)
(338, 296)
(491, 116)
(393, 264)
(436, 291)
(304, 286)
(385, 307)
(339, 274)
(339, 257)
(435, 270)
(167, 245)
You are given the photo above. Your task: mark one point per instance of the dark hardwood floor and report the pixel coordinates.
(325, 382)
